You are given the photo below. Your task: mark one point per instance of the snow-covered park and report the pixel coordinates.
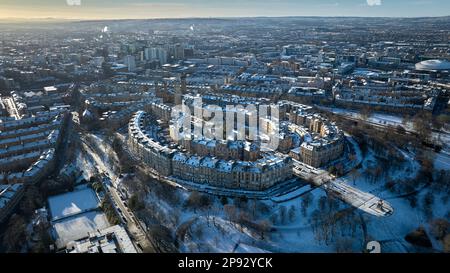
(306, 219)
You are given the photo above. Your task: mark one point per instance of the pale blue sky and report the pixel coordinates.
(91, 9)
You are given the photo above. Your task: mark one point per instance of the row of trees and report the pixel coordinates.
(332, 224)
(440, 230)
(110, 212)
(126, 163)
(14, 238)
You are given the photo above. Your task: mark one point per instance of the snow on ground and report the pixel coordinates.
(408, 170)
(95, 156)
(169, 215)
(385, 119)
(74, 214)
(103, 147)
(77, 227)
(442, 161)
(244, 248)
(404, 220)
(444, 139)
(291, 236)
(392, 230)
(355, 148)
(378, 118)
(216, 235)
(206, 231)
(85, 164)
(72, 203)
(293, 194)
(393, 120)
(298, 236)
(212, 232)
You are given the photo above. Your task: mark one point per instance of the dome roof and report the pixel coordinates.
(433, 65)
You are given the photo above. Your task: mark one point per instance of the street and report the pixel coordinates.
(139, 235)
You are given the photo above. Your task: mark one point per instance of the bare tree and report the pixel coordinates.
(197, 200)
(291, 214)
(306, 201)
(365, 113)
(428, 201)
(263, 227)
(344, 245)
(354, 174)
(446, 242)
(352, 157)
(230, 212)
(14, 236)
(283, 214)
(422, 125)
(439, 228)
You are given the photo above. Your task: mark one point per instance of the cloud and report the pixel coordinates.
(374, 3)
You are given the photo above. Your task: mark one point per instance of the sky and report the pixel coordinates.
(136, 9)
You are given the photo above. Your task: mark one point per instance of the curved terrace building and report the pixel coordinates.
(174, 160)
(234, 163)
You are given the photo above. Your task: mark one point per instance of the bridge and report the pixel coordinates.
(364, 201)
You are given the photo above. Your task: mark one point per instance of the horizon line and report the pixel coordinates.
(216, 17)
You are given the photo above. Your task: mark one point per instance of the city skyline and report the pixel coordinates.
(225, 135)
(142, 9)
